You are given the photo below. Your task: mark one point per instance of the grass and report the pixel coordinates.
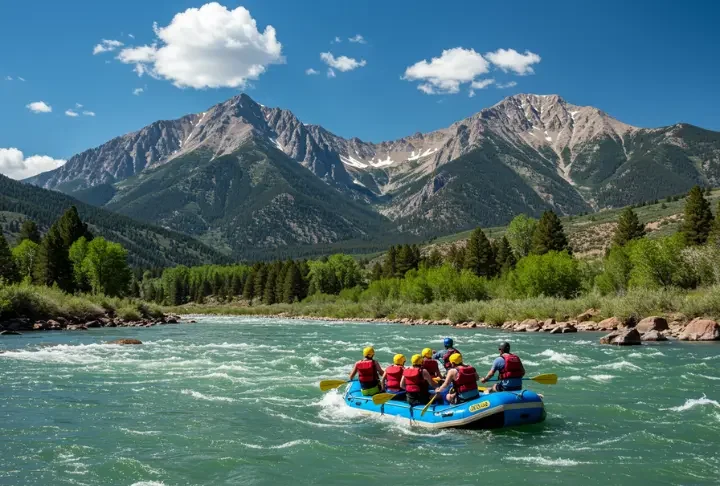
(636, 304)
(38, 302)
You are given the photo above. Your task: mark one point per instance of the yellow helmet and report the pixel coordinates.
(456, 358)
(416, 360)
(426, 353)
(399, 359)
(369, 352)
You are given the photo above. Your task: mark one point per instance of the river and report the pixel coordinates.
(236, 401)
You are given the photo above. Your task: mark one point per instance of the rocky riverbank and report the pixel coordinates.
(621, 331)
(20, 325)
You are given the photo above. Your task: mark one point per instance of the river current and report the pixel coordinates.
(236, 401)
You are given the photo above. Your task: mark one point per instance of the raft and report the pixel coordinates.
(492, 411)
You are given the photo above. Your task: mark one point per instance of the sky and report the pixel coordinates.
(75, 74)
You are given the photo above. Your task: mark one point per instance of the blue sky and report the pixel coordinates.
(648, 63)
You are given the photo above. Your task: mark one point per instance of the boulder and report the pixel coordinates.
(587, 326)
(92, 324)
(193, 321)
(625, 337)
(610, 324)
(171, 320)
(588, 315)
(9, 333)
(41, 326)
(701, 330)
(125, 341)
(653, 336)
(653, 323)
(19, 324)
(548, 324)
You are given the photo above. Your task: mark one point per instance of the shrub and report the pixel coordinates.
(129, 313)
(553, 274)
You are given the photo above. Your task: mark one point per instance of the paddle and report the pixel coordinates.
(326, 385)
(382, 398)
(545, 379)
(425, 408)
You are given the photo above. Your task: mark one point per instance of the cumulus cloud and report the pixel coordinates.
(512, 60)
(510, 84)
(39, 107)
(479, 84)
(330, 73)
(207, 47)
(138, 91)
(14, 164)
(358, 39)
(88, 113)
(342, 63)
(336, 40)
(311, 72)
(107, 45)
(445, 74)
(71, 113)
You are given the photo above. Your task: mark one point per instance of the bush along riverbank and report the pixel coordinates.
(37, 308)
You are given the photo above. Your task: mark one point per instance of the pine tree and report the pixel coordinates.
(282, 268)
(249, 288)
(293, 286)
(377, 272)
(29, 231)
(390, 263)
(268, 296)
(404, 260)
(628, 228)
(72, 228)
(435, 258)
(260, 279)
(479, 257)
(456, 256)
(549, 235)
(698, 218)
(504, 258)
(52, 263)
(8, 270)
(714, 237)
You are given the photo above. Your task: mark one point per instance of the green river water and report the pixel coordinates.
(236, 401)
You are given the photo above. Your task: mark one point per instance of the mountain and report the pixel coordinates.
(148, 246)
(527, 153)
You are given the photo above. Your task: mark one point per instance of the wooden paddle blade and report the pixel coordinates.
(546, 379)
(425, 408)
(381, 398)
(326, 385)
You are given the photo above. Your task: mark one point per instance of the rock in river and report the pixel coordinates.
(653, 336)
(654, 323)
(627, 337)
(701, 330)
(125, 341)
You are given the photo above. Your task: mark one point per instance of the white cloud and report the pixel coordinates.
(8, 78)
(138, 91)
(131, 36)
(512, 60)
(358, 39)
(71, 113)
(336, 40)
(342, 63)
(481, 83)
(39, 107)
(510, 84)
(445, 74)
(88, 113)
(21, 79)
(208, 47)
(311, 72)
(330, 73)
(78, 105)
(14, 164)
(107, 45)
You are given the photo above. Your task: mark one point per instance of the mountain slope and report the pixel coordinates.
(149, 246)
(525, 154)
(255, 197)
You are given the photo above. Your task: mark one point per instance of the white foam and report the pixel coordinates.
(210, 398)
(140, 432)
(148, 483)
(544, 461)
(619, 365)
(286, 445)
(694, 402)
(601, 378)
(575, 378)
(563, 358)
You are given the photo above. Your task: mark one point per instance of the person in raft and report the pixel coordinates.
(369, 372)
(510, 370)
(463, 379)
(430, 364)
(393, 374)
(417, 382)
(449, 351)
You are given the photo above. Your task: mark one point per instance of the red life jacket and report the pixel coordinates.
(431, 366)
(513, 367)
(414, 380)
(367, 373)
(446, 357)
(393, 374)
(465, 379)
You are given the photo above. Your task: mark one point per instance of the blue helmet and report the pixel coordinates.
(448, 342)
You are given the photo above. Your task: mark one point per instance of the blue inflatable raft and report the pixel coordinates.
(492, 411)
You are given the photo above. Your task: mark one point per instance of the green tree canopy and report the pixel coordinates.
(52, 265)
(24, 255)
(504, 258)
(8, 270)
(698, 218)
(629, 228)
(107, 268)
(520, 235)
(29, 231)
(549, 235)
(479, 256)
